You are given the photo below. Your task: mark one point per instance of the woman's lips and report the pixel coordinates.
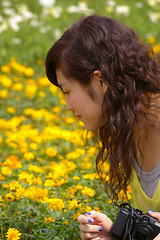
(79, 117)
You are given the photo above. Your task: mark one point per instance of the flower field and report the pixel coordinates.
(47, 170)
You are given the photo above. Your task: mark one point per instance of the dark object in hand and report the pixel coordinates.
(132, 224)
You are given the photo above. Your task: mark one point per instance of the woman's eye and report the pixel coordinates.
(66, 93)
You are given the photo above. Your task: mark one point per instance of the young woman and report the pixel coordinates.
(111, 80)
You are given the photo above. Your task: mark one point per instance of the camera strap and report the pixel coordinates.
(129, 225)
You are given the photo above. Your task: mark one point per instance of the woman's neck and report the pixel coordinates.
(148, 152)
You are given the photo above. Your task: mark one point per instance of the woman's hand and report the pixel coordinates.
(96, 226)
(157, 216)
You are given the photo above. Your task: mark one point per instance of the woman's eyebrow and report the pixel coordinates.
(61, 84)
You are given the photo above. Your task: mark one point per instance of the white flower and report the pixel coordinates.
(34, 23)
(82, 7)
(72, 9)
(47, 3)
(111, 3)
(13, 22)
(23, 10)
(57, 33)
(154, 16)
(139, 4)
(16, 40)
(152, 3)
(15, 27)
(9, 11)
(45, 29)
(6, 3)
(3, 26)
(54, 11)
(123, 9)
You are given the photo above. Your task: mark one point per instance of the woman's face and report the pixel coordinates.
(80, 102)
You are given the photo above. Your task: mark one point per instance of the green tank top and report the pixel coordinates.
(141, 200)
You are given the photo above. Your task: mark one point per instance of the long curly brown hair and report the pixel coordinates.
(131, 71)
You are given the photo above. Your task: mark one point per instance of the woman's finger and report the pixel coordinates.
(154, 214)
(90, 228)
(158, 237)
(85, 219)
(87, 236)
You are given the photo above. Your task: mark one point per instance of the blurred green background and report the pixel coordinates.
(29, 28)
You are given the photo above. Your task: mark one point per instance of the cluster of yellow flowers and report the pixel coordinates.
(42, 161)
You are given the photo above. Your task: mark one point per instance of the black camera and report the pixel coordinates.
(132, 224)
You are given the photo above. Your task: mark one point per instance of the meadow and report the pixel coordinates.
(47, 169)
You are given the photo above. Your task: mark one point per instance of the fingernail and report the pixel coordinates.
(150, 211)
(88, 213)
(90, 220)
(100, 229)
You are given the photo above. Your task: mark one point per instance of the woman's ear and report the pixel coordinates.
(100, 82)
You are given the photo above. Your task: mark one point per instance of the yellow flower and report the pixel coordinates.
(33, 146)
(6, 171)
(69, 120)
(122, 197)
(51, 152)
(1, 177)
(9, 197)
(49, 220)
(43, 81)
(73, 204)
(26, 177)
(17, 86)
(35, 168)
(42, 94)
(56, 204)
(13, 162)
(5, 81)
(56, 109)
(11, 110)
(73, 155)
(97, 209)
(14, 185)
(30, 90)
(88, 191)
(76, 178)
(53, 89)
(13, 234)
(3, 93)
(29, 72)
(19, 192)
(5, 69)
(79, 187)
(29, 156)
(151, 40)
(156, 48)
(88, 208)
(86, 165)
(66, 223)
(90, 176)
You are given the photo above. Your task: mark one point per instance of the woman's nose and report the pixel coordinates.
(68, 105)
